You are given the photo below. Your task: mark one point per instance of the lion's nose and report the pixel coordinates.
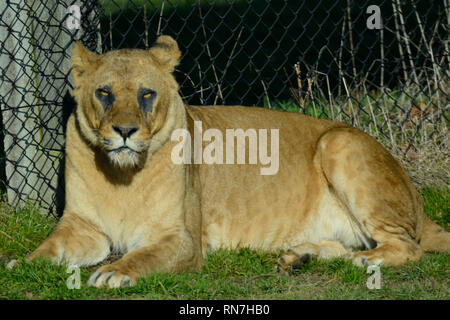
(125, 132)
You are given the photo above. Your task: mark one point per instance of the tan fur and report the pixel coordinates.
(336, 187)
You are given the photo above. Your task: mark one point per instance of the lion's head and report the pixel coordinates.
(124, 97)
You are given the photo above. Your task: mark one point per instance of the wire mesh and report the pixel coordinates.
(321, 58)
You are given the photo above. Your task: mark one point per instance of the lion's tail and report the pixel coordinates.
(434, 238)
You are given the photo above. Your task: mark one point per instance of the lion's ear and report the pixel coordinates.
(83, 60)
(166, 51)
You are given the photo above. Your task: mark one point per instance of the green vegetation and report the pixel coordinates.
(238, 274)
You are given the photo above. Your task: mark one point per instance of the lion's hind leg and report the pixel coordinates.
(298, 255)
(392, 252)
(378, 194)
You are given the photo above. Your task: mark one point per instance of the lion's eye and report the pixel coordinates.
(105, 96)
(146, 99)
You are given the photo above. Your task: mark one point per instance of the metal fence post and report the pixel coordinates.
(35, 60)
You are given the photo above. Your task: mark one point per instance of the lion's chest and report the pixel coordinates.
(131, 215)
(125, 220)
(138, 218)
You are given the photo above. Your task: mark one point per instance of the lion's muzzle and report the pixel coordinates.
(123, 147)
(125, 132)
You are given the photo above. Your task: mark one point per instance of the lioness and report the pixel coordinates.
(336, 188)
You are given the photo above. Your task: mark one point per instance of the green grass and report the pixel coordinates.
(436, 204)
(238, 274)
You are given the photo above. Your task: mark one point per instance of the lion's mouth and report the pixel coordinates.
(123, 149)
(124, 156)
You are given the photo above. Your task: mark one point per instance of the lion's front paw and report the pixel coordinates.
(290, 261)
(110, 276)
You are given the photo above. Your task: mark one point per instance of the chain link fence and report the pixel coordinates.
(382, 66)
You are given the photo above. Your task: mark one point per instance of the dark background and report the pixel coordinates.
(274, 35)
